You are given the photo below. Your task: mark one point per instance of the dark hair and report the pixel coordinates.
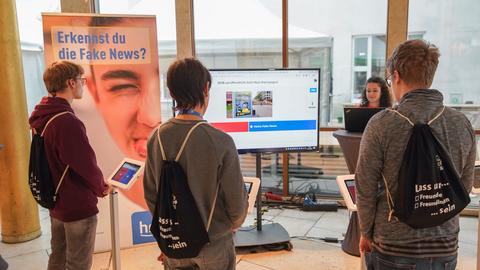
(415, 61)
(385, 97)
(186, 80)
(58, 73)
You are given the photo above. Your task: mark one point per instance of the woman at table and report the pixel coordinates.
(376, 94)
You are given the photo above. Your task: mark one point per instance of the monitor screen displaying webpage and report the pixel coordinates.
(266, 110)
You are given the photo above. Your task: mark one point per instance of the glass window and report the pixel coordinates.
(360, 51)
(242, 34)
(347, 46)
(227, 38)
(378, 56)
(359, 79)
(375, 60)
(309, 49)
(361, 67)
(29, 20)
(346, 53)
(454, 27)
(164, 10)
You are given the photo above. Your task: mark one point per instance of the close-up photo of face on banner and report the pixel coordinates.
(121, 104)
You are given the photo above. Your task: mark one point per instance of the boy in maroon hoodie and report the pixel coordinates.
(74, 217)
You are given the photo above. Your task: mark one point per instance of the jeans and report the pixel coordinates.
(378, 261)
(218, 255)
(72, 244)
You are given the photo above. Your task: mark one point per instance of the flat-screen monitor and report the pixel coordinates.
(266, 110)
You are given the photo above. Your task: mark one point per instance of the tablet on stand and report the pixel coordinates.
(252, 186)
(346, 183)
(123, 177)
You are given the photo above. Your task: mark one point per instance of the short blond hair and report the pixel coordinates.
(415, 61)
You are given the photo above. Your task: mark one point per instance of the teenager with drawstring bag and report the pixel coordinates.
(176, 224)
(192, 182)
(63, 161)
(415, 168)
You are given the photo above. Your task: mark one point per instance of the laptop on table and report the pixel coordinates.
(356, 118)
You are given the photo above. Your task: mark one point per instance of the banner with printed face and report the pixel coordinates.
(121, 101)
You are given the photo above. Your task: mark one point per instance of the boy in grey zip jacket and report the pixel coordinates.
(393, 243)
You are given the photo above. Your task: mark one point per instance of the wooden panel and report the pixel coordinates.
(397, 24)
(185, 28)
(76, 6)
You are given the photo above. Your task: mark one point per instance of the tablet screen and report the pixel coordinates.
(351, 190)
(125, 173)
(248, 187)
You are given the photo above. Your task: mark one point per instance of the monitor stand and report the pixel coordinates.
(269, 236)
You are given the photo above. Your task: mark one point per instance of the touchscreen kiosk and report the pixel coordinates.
(346, 183)
(252, 185)
(126, 173)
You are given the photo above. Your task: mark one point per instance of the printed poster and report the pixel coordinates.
(121, 101)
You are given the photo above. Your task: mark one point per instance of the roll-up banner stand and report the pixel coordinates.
(121, 101)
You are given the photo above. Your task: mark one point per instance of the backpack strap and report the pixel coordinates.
(213, 207)
(401, 115)
(186, 139)
(411, 123)
(68, 166)
(164, 156)
(390, 202)
(59, 183)
(51, 119)
(438, 115)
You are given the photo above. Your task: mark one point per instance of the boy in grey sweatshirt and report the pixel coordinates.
(209, 160)
(392, 243)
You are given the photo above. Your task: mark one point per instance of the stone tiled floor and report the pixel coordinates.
(303, 227)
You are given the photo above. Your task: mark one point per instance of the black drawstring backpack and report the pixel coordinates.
(176, 224)
(429, 188)
(39, 177)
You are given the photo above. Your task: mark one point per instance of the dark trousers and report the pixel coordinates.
(72, 244)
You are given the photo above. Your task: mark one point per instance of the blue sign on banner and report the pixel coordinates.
(141, 222)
